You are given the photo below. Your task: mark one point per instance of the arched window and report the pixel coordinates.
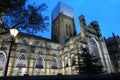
(72, 59)
(94, 47)
(66, 61)
(2, 60)
(39, 62)
(54, 63)
(25, 40)
(22, 61)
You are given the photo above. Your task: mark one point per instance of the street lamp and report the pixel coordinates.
(13, 33)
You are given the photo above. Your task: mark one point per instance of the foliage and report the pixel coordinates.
(89, 64)
(8, 5)
(26, 18)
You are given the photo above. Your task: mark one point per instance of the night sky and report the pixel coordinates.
(106, 12)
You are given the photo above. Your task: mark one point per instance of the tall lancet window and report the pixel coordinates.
(2, 60)
(39, 62)
(95, 49)
(22, 61)
(66, 61)
(54, 63)
(72, 59)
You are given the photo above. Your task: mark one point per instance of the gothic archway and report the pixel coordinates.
(22, 61)
(40, 62)
(95, 50)
(66, 61)
(2, 60)
(94, 47)
(72, 60)
(54, 63)
(22, 64)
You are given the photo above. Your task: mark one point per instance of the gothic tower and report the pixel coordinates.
(63, 26)
(82, 25)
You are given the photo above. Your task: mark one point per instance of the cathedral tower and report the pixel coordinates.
(63, 26)
(82, 25)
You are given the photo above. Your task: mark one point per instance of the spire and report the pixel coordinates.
(113, 34)
(82, 20)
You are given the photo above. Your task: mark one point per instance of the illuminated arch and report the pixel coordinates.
(40, 63)
(54, 63)
(22, 61)
(66, 61)
(2, 60)
(94, 47)
(97, 47)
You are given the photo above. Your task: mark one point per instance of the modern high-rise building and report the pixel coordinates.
(40, 56)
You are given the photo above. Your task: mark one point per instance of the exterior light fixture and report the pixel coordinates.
(14, 32)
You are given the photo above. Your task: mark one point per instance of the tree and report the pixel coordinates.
(9, 5)
(26, 18)
(89, 63)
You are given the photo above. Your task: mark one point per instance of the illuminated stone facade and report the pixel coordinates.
(113, 45)
(40, 56)
(63, 26)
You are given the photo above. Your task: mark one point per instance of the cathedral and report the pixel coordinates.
(33, 55)
(113, 46)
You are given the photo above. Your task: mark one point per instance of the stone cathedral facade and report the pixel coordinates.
(40, 56)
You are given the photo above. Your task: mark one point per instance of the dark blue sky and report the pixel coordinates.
(106, 12)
